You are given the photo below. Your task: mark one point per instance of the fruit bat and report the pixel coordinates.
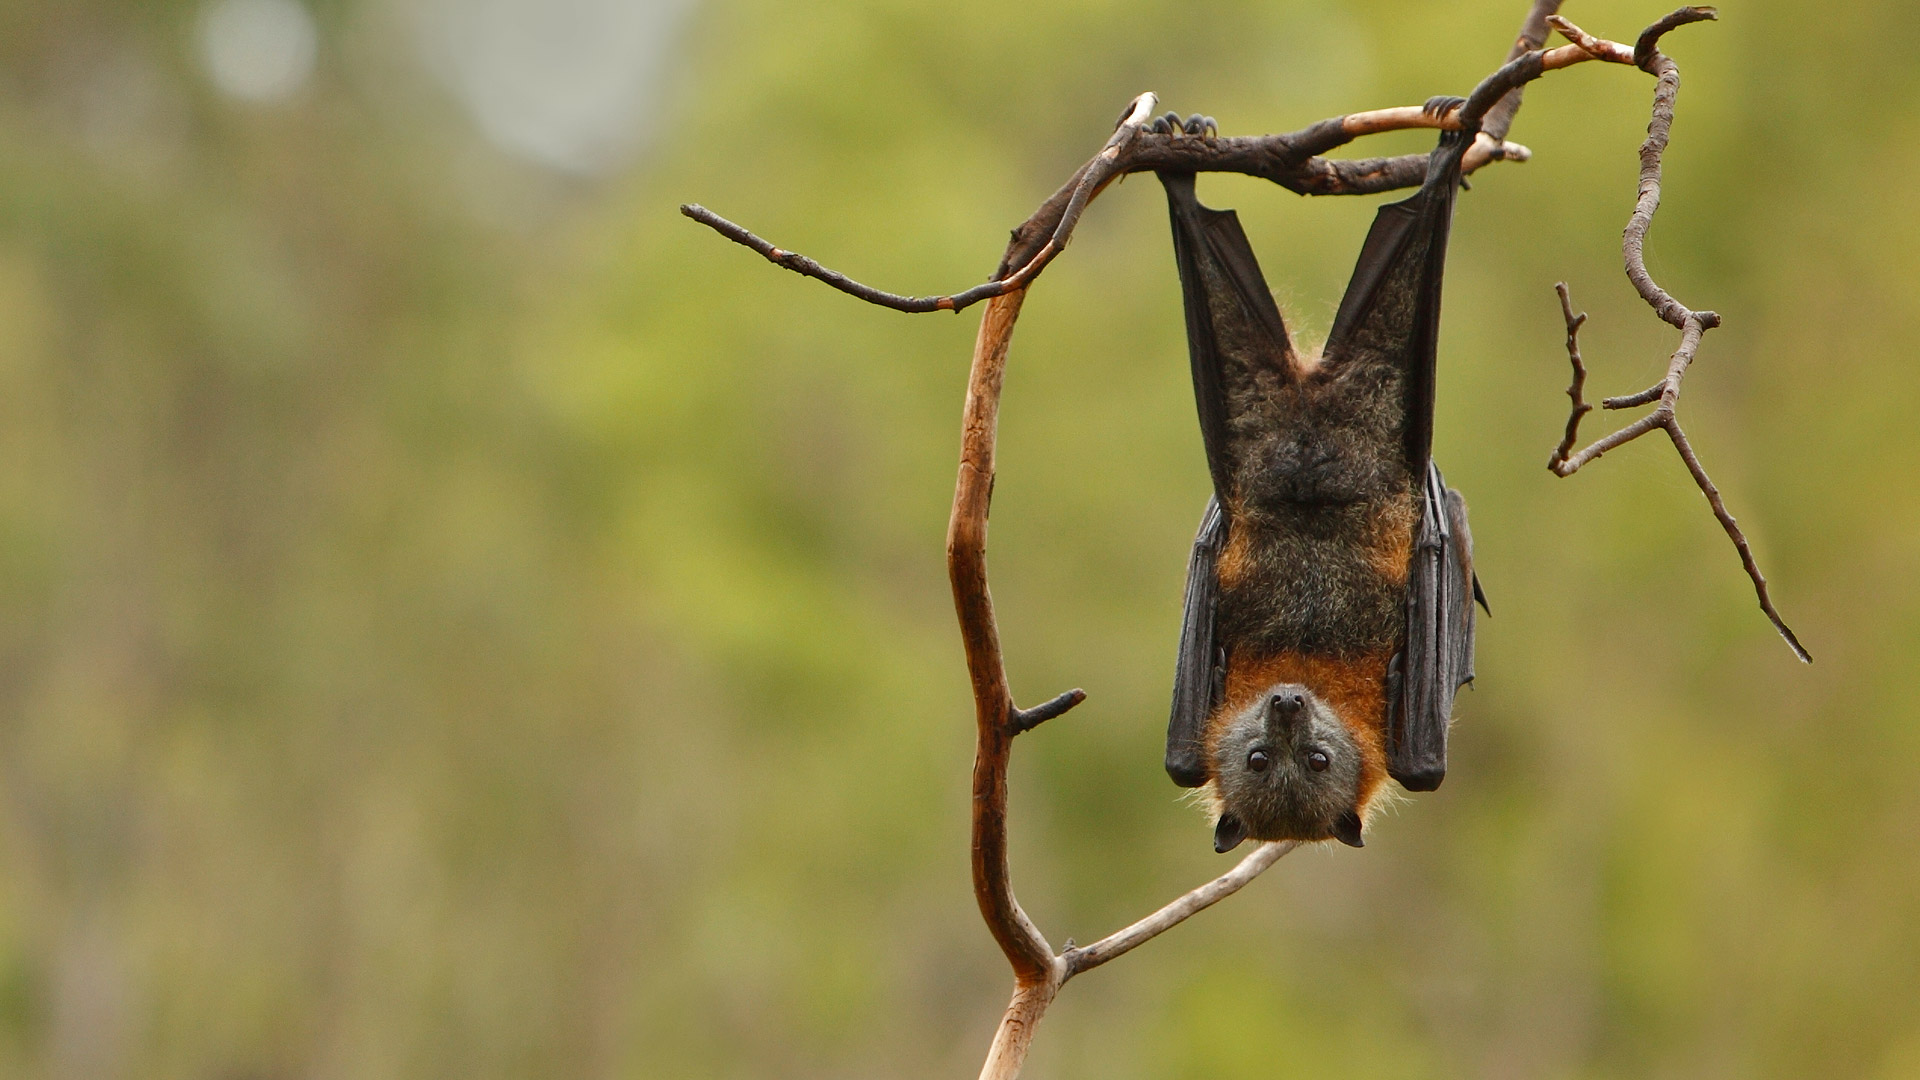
(1329, 606)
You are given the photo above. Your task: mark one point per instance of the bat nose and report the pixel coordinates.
(1286, 705)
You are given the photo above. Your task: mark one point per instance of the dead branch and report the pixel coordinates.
(1293, 160)
(1577, 389)
(1088, 957)
(1692, 325)
(1038, 972)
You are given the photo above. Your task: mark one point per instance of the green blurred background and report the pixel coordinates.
(460, 619)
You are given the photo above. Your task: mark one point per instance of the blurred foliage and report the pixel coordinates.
(459, 620)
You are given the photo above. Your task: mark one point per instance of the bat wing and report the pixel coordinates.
(1390, 315)
(1389, 320)
(1235, 336)
(1198, 672)
(1437, 657)
(1237, 343)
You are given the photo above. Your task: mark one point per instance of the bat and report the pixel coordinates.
(1328, 619)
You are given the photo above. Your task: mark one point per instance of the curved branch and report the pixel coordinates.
(1292, 160)
(1692, 325)
(1119, 943)
(994, 713)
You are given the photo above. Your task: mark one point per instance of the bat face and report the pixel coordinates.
(1286, 768)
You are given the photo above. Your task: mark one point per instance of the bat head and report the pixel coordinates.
(1286, 768)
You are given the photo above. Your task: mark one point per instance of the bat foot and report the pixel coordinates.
(1171, 124)
(1442, 104)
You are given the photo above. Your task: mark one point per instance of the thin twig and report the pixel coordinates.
(1692, 325)
(1577, 389)
(1025, 720)
(1533, 34)
(1292, 160)
(1119, 943)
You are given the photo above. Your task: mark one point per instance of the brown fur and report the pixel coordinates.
(1391, 550)
(1236, 559)
(1355, 687)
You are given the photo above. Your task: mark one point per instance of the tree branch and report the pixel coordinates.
(1088, 957)
(1292, 160)
(1692, 325)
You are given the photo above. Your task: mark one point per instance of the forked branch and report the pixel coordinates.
(1294, 161)
(1692, 325)
(1038, 971)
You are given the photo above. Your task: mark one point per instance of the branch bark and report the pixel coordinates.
(1293, 160)
(1038, 972)
(1692, 325)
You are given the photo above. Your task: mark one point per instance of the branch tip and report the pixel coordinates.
(1025, 720)
(1647, 48)
(1692, 325)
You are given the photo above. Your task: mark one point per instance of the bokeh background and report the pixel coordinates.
(459, 618)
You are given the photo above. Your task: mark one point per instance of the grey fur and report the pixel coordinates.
(1289, 800)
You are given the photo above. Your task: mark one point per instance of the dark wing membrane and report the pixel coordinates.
(1197, 672)
(1390, 315)
(1437, 659)
(1235, 336)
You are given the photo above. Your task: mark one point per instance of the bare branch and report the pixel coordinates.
(1533, 34)
(806, 267)
(994, 714)
(1577, 389)
(1692, 325)
(1598, 48)
(1088, 957)
(1025, 720)
(1292, 160)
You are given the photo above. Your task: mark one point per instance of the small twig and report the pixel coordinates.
(1292, 160)
(1599, 48)
(1088, 957)
(1692, 325)
(1533, 34)
(1025, 720)
(806, 267)
(1577, 389)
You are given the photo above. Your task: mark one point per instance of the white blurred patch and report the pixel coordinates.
(567, 83)
(258, 50)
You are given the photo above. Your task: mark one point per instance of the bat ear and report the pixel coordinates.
(1346, 829)
(1228, 833)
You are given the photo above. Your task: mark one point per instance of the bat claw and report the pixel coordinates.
(1442, 104)
(1169, 123)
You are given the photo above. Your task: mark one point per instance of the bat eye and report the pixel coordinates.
(1318, 761)
(1257, 761)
